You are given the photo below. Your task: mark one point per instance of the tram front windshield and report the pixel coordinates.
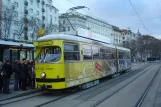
(49, 54)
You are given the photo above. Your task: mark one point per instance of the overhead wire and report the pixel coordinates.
(139, 17)
(144, 26)
(87, 11)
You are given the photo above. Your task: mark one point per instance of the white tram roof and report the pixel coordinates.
(121, 48)
(77, 38)
(70, 37)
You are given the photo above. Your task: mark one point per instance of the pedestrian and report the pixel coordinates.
(1, 80)
(6, 73)
(16, 75)
(20, 70)
(23, 75)
(28, 73)
(32, 74)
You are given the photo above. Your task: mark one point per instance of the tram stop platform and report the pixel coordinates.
(14, 94)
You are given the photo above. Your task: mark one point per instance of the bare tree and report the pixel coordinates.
(19, 28)
(145, 46)
(50, 28)
(8, 16)
(133, 46)
(34, 25)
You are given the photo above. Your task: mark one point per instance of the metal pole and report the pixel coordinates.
(69, 21)
(71, 10)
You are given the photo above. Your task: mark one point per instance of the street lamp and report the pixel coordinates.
(71, 10)
(78, 7)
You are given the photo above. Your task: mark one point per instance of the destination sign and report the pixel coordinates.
(45, 43)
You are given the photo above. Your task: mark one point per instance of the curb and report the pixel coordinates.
(22, 94)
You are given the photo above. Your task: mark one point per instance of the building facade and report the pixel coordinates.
(20, 22)
(69, 22)
(116, 36)
(128, 35)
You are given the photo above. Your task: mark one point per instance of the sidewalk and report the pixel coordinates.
(15, 94)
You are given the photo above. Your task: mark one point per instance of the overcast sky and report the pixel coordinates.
(120, 13)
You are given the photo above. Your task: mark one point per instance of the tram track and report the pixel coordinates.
(75, 92)
(63, 96)
(140, 101)
(117, 80)
(116, 91)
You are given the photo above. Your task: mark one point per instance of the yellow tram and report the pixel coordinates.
(64, 61)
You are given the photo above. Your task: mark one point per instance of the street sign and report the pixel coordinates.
(40, 32)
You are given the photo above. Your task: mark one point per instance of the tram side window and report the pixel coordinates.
(127, 55)
(110, 54)
(71, 52)
(95, 53)
(113, 56)
(102, 53)
(87, 52)
(49, 54)
(121, 55)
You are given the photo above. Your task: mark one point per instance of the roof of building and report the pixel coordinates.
(138, 32)
(103, 21)
(52, 7)
(124, 31)
(69, 15)
(11, 43)
(116, 28)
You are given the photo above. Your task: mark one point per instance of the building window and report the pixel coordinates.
(63, 21)
(37, 12)
(32, 18)
(16, 14)
(50, 1)
(55, 19)
(55, 11)
(51, 18)
(31, 10)
(37, 20)
(68, 28)
(16, 4)
(50, 9)
(31, 1)
(16, 23)
(38, 4)
(64, 29)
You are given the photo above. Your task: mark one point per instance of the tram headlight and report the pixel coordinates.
(43, 75)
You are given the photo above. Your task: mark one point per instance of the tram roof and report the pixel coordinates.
(11, 43)
(124, 49)
(70, 37)
(76, 38)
